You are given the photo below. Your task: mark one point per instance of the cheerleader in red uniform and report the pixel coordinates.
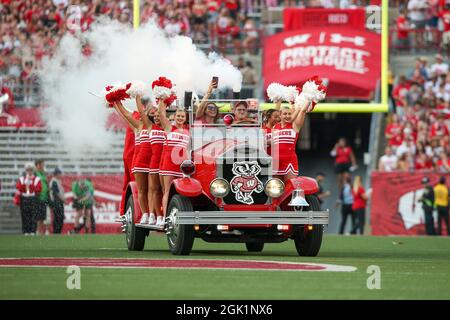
(175, 150)
(142, 155)
(157, 139)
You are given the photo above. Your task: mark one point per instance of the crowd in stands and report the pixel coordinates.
(30, 30)
(418, 131)
(423, 24)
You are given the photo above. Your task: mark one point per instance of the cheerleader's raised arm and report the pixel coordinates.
(127, 115)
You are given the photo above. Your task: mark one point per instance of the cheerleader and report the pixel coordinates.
(157, 139)
(284, 139)
(175, 149)
(142, 156)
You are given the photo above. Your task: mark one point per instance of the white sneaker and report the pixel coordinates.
(47, 233)
(160, 221)
(144, 219)
(152, 219)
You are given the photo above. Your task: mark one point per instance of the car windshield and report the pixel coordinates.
(226, 129)
(245, 112)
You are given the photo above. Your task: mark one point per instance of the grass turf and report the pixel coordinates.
(411, 268)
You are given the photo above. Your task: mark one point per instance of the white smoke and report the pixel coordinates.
(119, 54)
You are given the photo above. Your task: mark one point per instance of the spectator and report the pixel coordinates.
(394, 132)
(199, 13)
(321, 194)
(407, 147)
(439, 67)
(28, 188)
(249, 78)
(403, 164)
(42, 214)
(388, 162)
(444, 16)
(402, 30)
(359, 205)
(5, 92)
(427, 200)
(399, 94)
(415, 93)
(346, 199)
(57, 200)
(251, 36)
(345, 160)
(443, 164)
(223, 25)
(417, 10)
(441, 197)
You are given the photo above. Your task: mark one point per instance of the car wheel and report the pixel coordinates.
(179, 237)
(308, 242)
(254, 246)
(135, 236)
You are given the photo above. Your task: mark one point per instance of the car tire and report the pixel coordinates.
(134, 236)
(308, 242)
(181, 238)
(254, 246)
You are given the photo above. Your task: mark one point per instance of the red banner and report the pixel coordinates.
(298, 19)
(396, 209)
(349, 59)
(107, 195)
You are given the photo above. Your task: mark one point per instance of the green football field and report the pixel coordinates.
(411, 268)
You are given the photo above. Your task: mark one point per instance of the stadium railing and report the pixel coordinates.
(431, 39)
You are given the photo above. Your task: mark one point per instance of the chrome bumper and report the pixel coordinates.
(252, 217)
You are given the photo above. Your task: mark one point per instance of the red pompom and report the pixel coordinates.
(316, 79)
(117, 95)
(168, 101)
(162, 82)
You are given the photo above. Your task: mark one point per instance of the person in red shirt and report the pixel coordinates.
(402, 31)
(399, 93)
(9, 104)
(345, 160)
(359, 205)
(423, 162)
(444, 15)
(393, 132)
(28, 188)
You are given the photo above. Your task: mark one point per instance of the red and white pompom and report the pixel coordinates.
(137, 88)
(116, 93)
(164, 89)
(312, 92)
(276, 92)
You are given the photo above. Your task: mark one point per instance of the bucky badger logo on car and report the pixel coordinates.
(245, 181)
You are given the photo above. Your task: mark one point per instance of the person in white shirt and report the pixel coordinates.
(388, 162)
(439, 67)
(417, 9)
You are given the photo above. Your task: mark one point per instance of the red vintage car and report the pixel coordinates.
(228, 194)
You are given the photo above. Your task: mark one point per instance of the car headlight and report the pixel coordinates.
(274, 188)
(219, 188)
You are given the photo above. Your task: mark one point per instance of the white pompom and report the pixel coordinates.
(161, 92)
(311, 92)
(276, 92)
(137, 89)
(291, 93)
